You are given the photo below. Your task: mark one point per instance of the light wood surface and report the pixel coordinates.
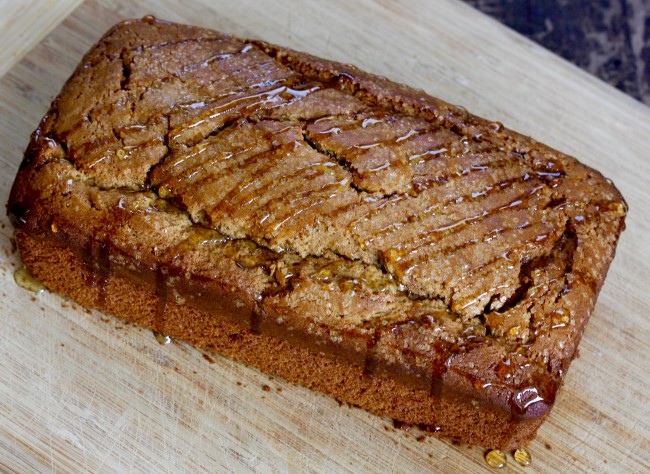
(24, 23)
(81, 392)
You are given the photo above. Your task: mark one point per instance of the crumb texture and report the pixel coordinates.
(397, 228)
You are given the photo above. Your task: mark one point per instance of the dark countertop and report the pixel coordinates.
(608, 38)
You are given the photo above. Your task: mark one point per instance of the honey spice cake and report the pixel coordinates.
(352, 235)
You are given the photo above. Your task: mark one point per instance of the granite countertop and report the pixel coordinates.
(608, 38)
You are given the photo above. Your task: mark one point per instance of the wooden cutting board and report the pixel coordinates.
(80, 391)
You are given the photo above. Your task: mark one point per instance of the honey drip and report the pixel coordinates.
(522, 456)
(255, 322)
(370, 361)
(26, 280)
(160, 316)
(162, 339)
(496, 459)
(98, 267)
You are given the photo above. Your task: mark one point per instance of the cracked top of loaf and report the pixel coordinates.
(366, 217)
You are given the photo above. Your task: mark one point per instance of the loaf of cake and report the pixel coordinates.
(347, 233)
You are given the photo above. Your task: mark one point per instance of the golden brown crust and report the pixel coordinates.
(316, 209)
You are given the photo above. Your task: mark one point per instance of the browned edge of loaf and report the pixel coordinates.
(456, 416)
(57, 256)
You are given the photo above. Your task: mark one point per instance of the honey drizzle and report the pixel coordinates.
(427, 181)
(274, 155)
(162, 290)
(219, 57)
(292, 216)
(370, 361)
(352, 153)
(522, 456)
(181, 158)
(374, 211)
(191, 177)
(296, 94)
(266, 198)
(444, 229)
(299, 196)
(354, 124)
(158, 85)
(370, 118)
(426, 238)
(440, 361)
(470, 147)
(308, 172)
(128, 152)
(356, 151)
(24, 279)
(511, 254)
(409, 267)
(236, 90)
(184, 181)
(98, 265)
(247, 102)
(207, 183)
(193, 67)
(249, 70)
(138, 50)
(107, 105)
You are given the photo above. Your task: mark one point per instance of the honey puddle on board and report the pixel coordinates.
(26, 280)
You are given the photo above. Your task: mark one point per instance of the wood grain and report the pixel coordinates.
(24, 23)
(79, 391)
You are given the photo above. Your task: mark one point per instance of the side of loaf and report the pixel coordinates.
(347, 233)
